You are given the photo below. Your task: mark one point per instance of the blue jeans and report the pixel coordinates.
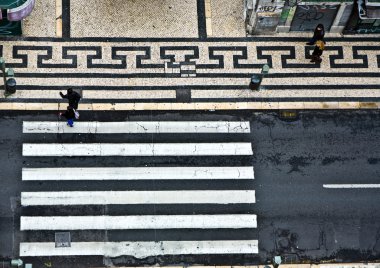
(70, 122)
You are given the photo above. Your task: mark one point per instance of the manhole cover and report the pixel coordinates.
(62, 240)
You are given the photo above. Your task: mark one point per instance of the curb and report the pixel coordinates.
(332, 265)
(24, 106)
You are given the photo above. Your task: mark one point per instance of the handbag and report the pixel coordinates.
(76, 114)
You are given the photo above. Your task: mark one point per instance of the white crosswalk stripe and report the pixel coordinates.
(138, 222)
(138, 173)
(141, 249)
(136, 149)
(76, 210)
(137, 197)
(138, 127)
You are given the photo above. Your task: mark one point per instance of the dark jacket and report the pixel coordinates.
(317, 52)
(69, 114)
(73, 98)
(319, 33)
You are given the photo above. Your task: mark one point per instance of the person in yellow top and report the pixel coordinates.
(318, 50)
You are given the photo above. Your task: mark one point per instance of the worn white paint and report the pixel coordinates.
(136, 149)
(234, 221)
(138, 173)
(137, 197)
(350, 186)
(138, 127)
(141, 249)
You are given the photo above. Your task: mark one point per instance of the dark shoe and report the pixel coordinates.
(312, 60)
(309, 43)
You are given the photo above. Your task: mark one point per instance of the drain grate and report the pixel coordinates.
(62, 240)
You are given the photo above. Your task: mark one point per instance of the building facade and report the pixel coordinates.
(337, 16)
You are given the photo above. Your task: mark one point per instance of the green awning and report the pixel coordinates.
(7, 4)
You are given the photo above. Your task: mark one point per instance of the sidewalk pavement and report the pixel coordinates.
(159, 62)
(194, 75)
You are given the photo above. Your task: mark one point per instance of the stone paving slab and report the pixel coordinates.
(154, 18)
(184, 73)
(227, 18)
(41, 23)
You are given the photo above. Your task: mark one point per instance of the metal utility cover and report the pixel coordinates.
(62, 240)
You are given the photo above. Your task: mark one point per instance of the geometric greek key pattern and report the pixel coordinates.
(156, 57)
(183, 70)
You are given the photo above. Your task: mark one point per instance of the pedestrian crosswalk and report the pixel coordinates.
(137, 222)
(138, 173)
(136, 149)
(137, 197)
(142, 249)
(194, 206)
(138, 127)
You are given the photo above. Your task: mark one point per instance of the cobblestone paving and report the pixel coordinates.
(164, 54)
(130, 18)
(227, 18)
(192, 71)
(41, 23)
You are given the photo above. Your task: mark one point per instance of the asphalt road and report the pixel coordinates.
(297, 217)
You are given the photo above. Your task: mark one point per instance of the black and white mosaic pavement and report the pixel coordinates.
(207, 70)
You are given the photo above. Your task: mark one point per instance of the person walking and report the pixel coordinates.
(69, 114)
(318, 50)
(73, 97)
(319, 34)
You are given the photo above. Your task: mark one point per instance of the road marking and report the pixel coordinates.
(138, 173)
(138, 127)
(233, 221)
(137, 197)
(140, 249)
(350, 186)
(136, 149)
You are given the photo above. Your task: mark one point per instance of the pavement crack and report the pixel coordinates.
(141, 126)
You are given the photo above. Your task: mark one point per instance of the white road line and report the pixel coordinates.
(137, 197)
(233, 221)
(141, 249)
(138, 173)
(138, 127)
(350, 186)
(136, 149)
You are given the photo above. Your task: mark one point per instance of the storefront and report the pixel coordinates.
(337, 16)
(304, 16)
(12, 12)
(365, 18)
